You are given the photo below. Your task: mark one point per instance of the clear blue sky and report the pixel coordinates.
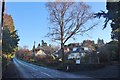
(30, 19)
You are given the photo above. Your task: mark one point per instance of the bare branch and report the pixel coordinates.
(68, 19)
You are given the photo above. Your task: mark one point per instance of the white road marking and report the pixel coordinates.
(47, 74)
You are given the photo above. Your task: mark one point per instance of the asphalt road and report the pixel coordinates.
(27, 70)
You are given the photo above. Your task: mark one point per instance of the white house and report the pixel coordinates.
(74, 55)
(56, 53)
(40, 53)
(77, 52)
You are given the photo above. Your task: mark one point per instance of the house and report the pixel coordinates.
(72, 51)
(76, 53)
(56, 53)
(40, 53)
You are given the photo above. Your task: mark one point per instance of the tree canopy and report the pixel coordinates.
(10, 41)
(112, 14)
(68, 19)
(8, 21)
(10, 37)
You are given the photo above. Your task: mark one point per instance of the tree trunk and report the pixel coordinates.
(62, 51)
(62, 40)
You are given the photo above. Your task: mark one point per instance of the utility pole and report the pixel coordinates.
(2, 21)
(2, 15)
(3, 8)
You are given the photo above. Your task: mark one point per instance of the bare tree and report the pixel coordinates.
(68, 19)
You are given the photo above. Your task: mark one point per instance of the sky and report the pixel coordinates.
(31, 21)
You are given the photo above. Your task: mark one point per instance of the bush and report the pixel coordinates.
(104, 58)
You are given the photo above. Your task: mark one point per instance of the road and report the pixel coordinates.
(28, 70)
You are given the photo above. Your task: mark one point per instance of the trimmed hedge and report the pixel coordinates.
(81, 67)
